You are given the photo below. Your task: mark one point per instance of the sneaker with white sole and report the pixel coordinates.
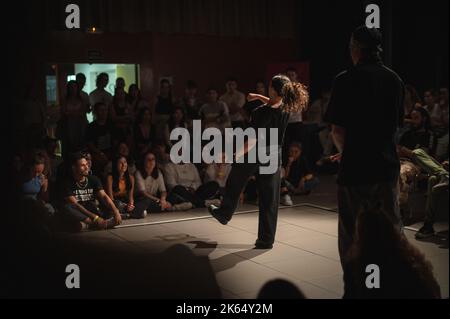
(215, 202)
(182, 206)
(286, 200)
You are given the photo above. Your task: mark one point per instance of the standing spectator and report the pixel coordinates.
(164, 107)
(144, 132)
(235, 100)
(122, 117)
(81, 81)
(369, 166)
(191, 103)
(99, 138)
(120, 84)
(177, 120)
(135, 100)
(100, 95)
(74, 120)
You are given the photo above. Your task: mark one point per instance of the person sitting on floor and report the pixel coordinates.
(185, 185)
(298, 177)
(150, 186)
(34, 183)
(80, 192)
(122, 149)
(120, 188)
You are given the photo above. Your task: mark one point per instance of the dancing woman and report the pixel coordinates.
(285, 97)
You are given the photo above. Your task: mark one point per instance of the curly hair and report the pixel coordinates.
(294, 94)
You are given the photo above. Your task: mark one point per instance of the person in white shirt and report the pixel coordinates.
(150, 185)
(185, 185)
(100, 95)
(235, 101)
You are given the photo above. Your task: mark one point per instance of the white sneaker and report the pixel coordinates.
(182, 206)
(215, 202)
(286, 200)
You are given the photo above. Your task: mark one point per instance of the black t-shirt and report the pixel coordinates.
(83, 192)
(100, 136)
(249, 107)
(414, 139)
(268, 117)
(367, 101)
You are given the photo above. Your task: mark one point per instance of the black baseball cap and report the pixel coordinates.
(370, 38)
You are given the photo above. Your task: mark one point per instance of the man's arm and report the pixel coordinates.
(109, 203)
(338, 134)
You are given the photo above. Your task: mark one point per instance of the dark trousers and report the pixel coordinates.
(139, 206)
(181, 194)
(268, 187)
(70, 212)
(353, 200)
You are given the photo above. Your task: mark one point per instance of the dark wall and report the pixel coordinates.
(415, 39)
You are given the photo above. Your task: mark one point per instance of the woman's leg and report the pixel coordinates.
(239, 175)
(269, 200)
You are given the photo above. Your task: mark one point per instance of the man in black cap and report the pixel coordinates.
(365, 110)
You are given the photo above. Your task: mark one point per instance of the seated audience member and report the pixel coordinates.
(431, 101)
(99, 138)
(190, 103)
(144, 132)
(160, 151)
(218, 172)
(150, 186)
(235, 100)
(214, 113)
(299, 179)
(404, 271)
(440, 125)
(122, 117)
(121, 150)
(34, 183)
(120, 186)
(80, 193)
(417, 137)
(437, 189)
(176, 120)
(185, 185)
(55, 160)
